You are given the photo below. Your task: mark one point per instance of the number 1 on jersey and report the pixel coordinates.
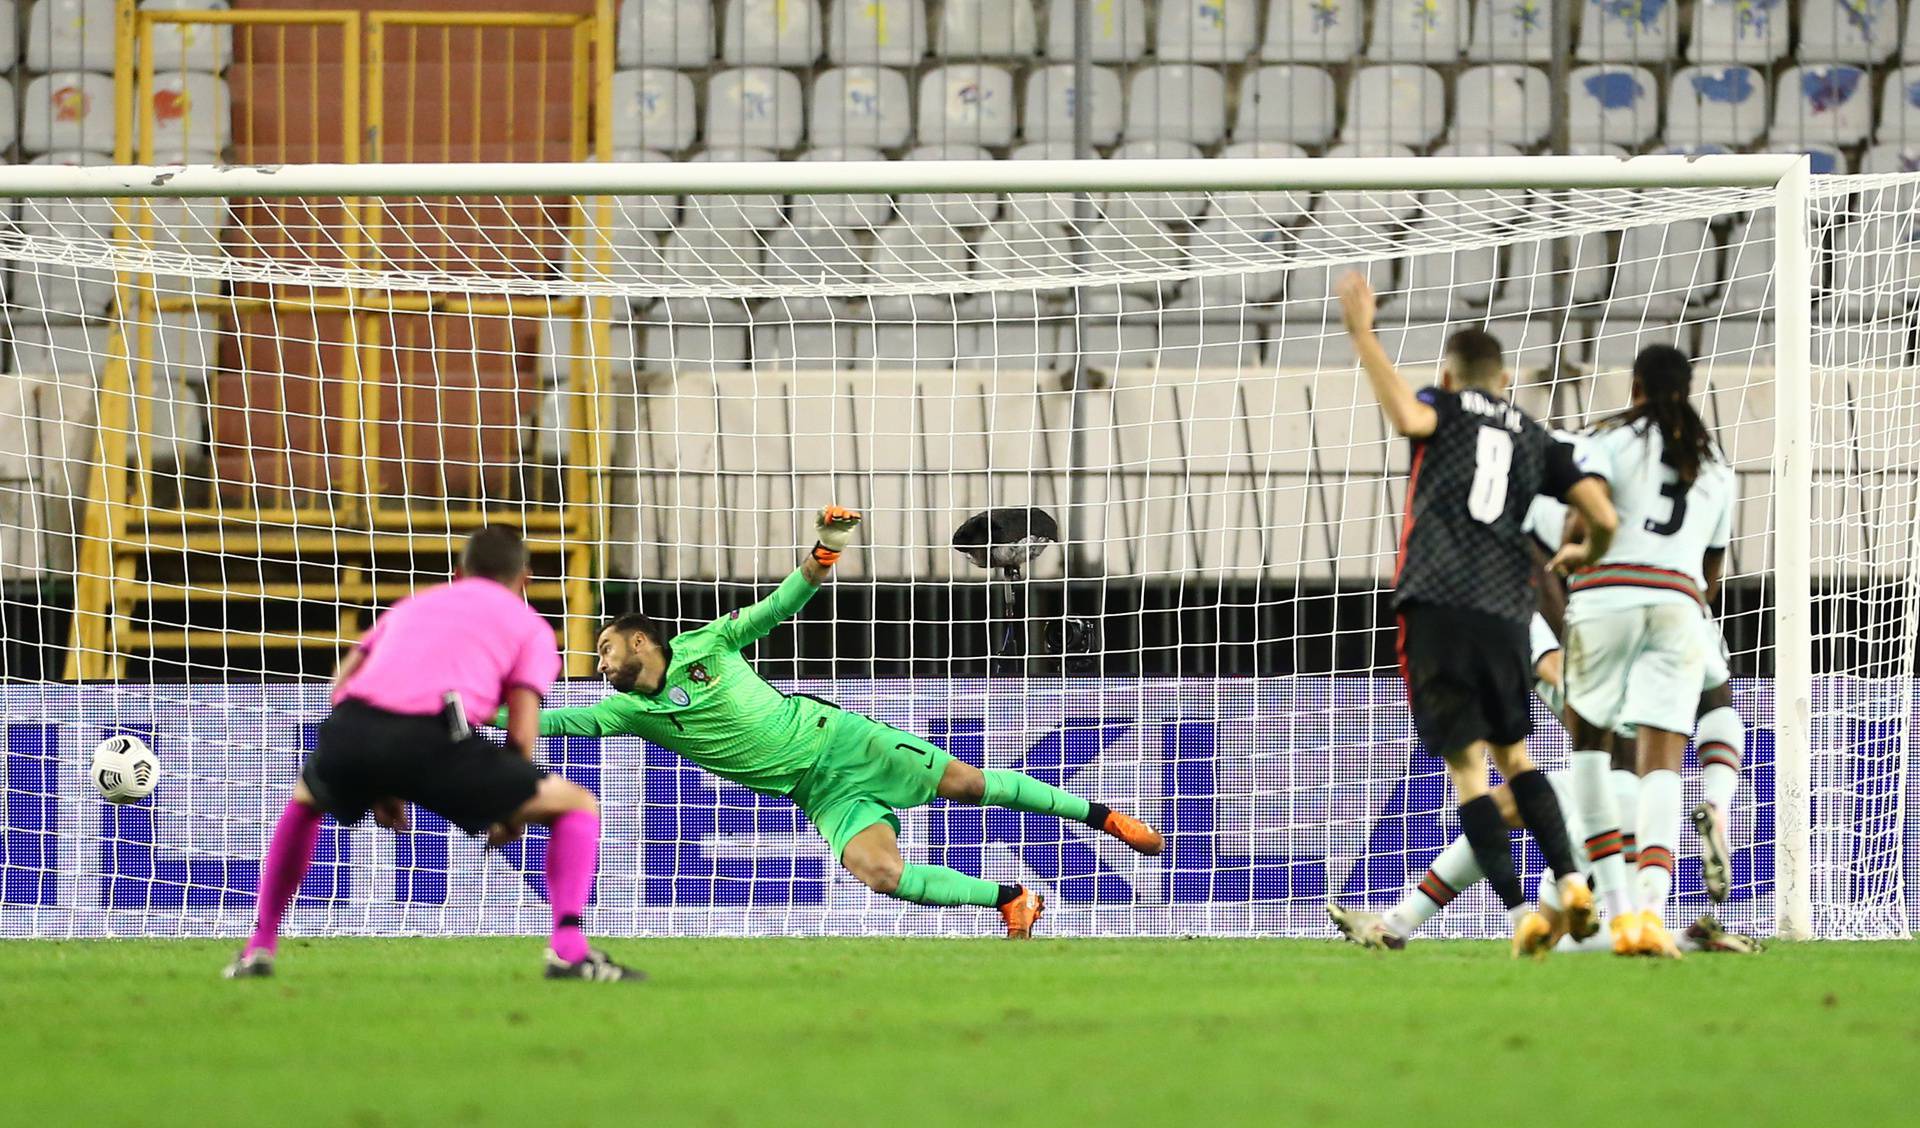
(1492, 464)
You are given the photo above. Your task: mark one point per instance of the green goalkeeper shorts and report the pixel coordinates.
(865, 772)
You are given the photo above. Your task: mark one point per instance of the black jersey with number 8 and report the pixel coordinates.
(1461, 542)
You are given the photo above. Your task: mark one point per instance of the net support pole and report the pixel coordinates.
(1793, 571)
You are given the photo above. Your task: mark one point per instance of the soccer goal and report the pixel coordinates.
(249, 407)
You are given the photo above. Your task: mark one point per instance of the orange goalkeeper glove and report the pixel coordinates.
(832, 529)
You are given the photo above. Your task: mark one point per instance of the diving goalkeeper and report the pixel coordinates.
(694, 694)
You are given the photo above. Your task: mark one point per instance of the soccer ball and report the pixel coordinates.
(124, 769)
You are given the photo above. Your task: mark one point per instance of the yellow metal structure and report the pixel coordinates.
(144, 546)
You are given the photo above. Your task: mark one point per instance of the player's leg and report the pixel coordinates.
(571, 815)
(288, 855)
(1599, 649)
(1721, 741)
(1539, 809)
(1670, 658)
(1017, 791)
(872, 855)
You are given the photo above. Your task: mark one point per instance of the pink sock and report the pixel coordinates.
(287, 858)
(573, 852)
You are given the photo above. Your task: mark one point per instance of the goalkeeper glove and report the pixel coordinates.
(832, 529)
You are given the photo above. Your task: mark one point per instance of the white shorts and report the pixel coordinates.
(1718, 664)
(1636, 665)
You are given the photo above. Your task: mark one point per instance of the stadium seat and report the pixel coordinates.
(9, 116)
(1037, 256)
(1286, 103)
(1383, 211)
(1397, 103)
(1242, 243)
(814, 256)
(1309, 296)
(70, 35)
(1048, 113)
(1613, 105)
(1119, 31)
(9, 35)
(783, 33)
(695, 334)
(1042, 207)
(1518, 32)
(1222, 335)
(699, 254)
(1177, 102)
(1823, 105)
(1849, 31)
(57, 291)
(1206, 31)
(1739, 31)
(1716, 106)
(1895, 157)
(1749, 267)
(757, 106)
(860, 105)
(194, 226)
(1265, 207)
(1911, 52)
(1665, 268)
(1011, 344)
(1434, 31)
(1876, 268)
(1527, 276)
(865, 210)
(665, 33)
(801, 333)
(1164, 206)
(1134, 244)
(1447, 284)
(960, 209)
(760, 213)
(1900, 107)
(906, 253)
(967, 104)
(1313, 31)
(192, 112)
(890, 33)
(653, 109)
(986, 29)
(1502, 104)
(191, 47)
(67, 110)
(1628, 31)
(644, 213)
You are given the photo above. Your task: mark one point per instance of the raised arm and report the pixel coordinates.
(833, 528)
(1404, 411)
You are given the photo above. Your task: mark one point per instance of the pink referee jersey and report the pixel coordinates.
(472, 636)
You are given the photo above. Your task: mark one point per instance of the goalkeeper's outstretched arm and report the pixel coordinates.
(832, 529)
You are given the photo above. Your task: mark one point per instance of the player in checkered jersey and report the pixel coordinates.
(1464, 596)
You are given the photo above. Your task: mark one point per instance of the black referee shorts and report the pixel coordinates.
(367, 754)
(1468, 676)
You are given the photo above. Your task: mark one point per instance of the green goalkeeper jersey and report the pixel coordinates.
(714, 709)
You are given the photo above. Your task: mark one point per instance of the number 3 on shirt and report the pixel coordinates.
(1492, 462)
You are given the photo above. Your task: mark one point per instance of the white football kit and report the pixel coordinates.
(1635, 642)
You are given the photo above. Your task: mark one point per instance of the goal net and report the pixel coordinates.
(246, 409)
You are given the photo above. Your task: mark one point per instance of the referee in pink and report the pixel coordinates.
(399, 734)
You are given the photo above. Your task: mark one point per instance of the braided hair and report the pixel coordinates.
(1664, 378)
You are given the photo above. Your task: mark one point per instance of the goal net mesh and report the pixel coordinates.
(235, 429)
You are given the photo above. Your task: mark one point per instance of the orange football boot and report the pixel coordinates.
(1143, 838)
(1021, 913)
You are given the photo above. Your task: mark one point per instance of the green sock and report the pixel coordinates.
(1021, 792)
(938, 885)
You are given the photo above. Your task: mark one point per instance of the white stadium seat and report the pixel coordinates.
(1900, 107)
(191, 113)
(1042, 207)
(760, 213)
(1207, 31)
(653, 109)
(783, 33)
(1739, 31)
(1384, 211)
(802, 333)
(905, 252)
(1313, 31)
(1243, 243)
(1502, 103)
(960, 209)
(9, 116)
(1628, 31)
(1160, 205)
(67, 110)
(190, 46)
(1849, 31)
(1398, 103)
(1718, 105)
(814, 256)
(889, 33)
(1665, 268)
(1048, 114)
(1265, 207)
(1749, 269)
(1119, 30)
(1877, 266)
(1037, 256)
(967, 104)
(643, 213)
(693, 335)
(66, 35)
(9, 34)
(1177, 102)
(61, 292)
(986, 29)
(665, 33)
(1286, 103)
(1431, 32)
(1613, 105)
(1822, 105)
(860, 105)
(861, 210)
(757, 106)
(698, 254)
(1519, 32)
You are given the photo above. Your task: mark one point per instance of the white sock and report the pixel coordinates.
(1452, 871)
(1660, 799)
(1549, 892)
(1626, 804)
(1721, 741)
(1600, 820)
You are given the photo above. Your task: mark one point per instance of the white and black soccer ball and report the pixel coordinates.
(124, 769)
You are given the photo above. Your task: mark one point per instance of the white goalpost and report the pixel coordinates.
(246, 408)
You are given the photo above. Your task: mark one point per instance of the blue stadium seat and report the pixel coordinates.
(1286, 103)
(1613, 105)
(665, 33)
(1718, 105)
(1739, 31)
(1849, 31)
(860, 105)
(1517, 31)
(1822, 105)
(1628, 31)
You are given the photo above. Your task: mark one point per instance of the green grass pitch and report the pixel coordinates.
(852, 1032)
